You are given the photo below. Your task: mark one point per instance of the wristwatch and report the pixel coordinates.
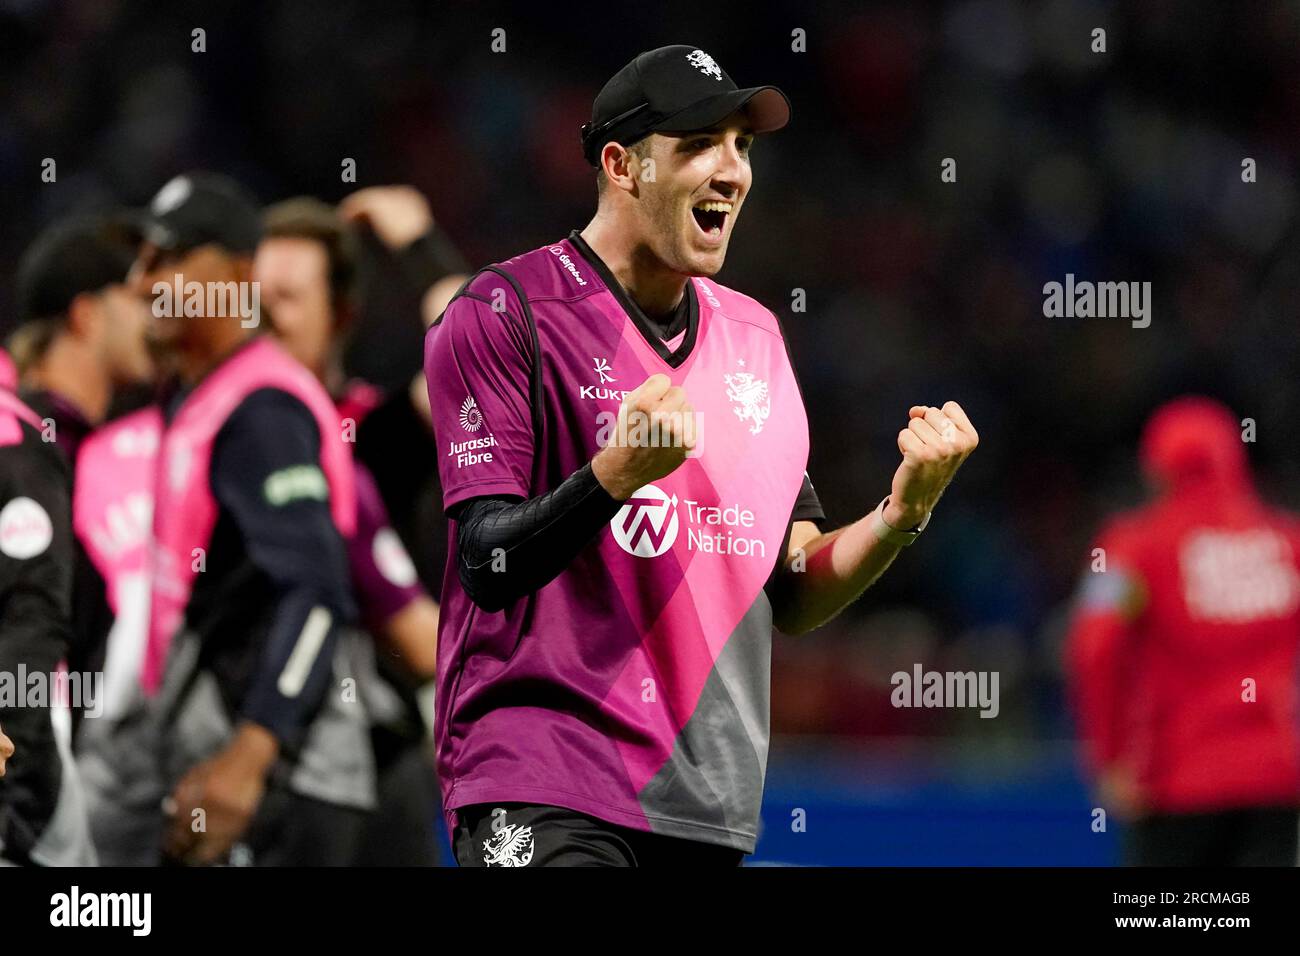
(892, 535)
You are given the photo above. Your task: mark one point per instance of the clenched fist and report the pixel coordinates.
(656, 429)
(934, 444)
(6, 751)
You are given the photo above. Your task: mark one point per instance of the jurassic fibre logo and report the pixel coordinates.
(472, 451)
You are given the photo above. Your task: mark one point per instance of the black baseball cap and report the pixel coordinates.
(675, 89)
(198, 208)
(73, 256)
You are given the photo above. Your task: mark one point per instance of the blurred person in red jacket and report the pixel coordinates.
(1182, 655)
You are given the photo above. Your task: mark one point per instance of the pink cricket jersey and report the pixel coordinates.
(634, 687)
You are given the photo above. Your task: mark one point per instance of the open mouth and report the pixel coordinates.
(711, 216)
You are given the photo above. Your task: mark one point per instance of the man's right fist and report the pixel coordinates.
(656, 429)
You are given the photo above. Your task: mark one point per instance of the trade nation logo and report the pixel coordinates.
(646, 525)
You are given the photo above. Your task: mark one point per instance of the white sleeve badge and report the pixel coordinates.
(25, 529)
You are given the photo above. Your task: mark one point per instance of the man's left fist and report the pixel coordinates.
(934, 444)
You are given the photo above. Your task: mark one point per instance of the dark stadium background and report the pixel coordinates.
(1123, 166)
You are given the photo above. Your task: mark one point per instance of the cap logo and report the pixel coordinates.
(172, 195)
(705, 64)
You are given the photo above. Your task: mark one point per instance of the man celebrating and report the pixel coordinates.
(623, 448)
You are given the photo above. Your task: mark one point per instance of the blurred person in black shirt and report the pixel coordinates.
(42, 812)
(431, 269)
(80, 343)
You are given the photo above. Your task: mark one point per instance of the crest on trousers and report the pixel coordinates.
(512, 845)
(749, 399)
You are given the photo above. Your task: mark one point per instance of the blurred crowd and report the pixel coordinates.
(1123, 165)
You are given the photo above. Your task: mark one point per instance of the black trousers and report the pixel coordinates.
(1255, 836)
(290, 829)
(402, 830)
(516, 834)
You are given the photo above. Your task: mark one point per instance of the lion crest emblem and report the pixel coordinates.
(512, 845)
(705, 64)
(749, 399)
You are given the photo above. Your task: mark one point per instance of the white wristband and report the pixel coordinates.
(891, 535)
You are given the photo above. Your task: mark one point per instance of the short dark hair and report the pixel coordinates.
(84, 254)
(305, 217)
(72, 256)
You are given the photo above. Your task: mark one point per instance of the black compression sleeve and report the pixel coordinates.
(509, 548)
(808, 507)
(431, 257)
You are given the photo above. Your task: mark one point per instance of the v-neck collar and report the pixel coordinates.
(673, 357)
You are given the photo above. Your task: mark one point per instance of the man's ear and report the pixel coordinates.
(85, 315)
(620, 166)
